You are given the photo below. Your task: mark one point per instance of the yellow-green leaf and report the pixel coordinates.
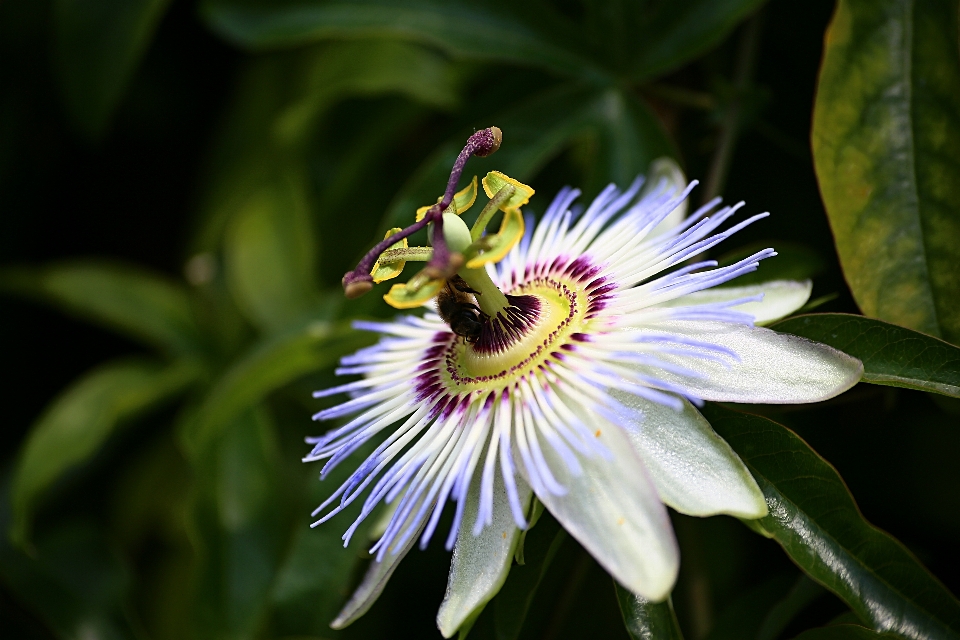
(886, 144)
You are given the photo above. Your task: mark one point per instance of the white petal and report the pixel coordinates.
(666, 169)
(480, 564)
(613, 510)
(378, 573)
(774, 368)
(780, 298)
(695, 470)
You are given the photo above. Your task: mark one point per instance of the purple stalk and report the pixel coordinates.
(359, 281)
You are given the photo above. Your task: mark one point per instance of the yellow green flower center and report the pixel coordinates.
(553, 311)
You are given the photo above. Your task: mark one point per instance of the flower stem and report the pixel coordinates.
(492, 207)
(490, 299)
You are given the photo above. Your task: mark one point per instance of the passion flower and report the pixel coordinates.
(592, 339)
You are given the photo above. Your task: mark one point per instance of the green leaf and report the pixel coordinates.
(843, 632)
(240, 520)
(495, 31)
(149, 496)
(891, 355)
(747, 614)
(803, 593)
(72, 581)
(97, 46)
(368, 68)
(144, 305)
(314, 579)
(269, 254)
(347, 186)
(267, 366)
(886, 143)
(668, 34)
(643, 39)
(318, 572)
(816, 521)
(282, 99)
(628, 138)
(79, 421)
(647, 620)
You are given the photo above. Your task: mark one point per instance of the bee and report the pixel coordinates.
(457, 309)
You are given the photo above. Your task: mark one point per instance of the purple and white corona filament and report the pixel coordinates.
(601, 335)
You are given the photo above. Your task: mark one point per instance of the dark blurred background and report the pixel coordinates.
(136, 189)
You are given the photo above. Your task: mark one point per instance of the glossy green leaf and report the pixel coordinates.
(886, 143)
(267, 366)
(269, 254)
(816, 521)
(78, 422)
(647, 620)
(144, 305)
(97, 46)
(891, 355)
(628, 138)
(240, 526)
(844, 632)
(495, 31)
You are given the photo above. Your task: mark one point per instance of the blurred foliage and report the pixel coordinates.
(231, 159)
